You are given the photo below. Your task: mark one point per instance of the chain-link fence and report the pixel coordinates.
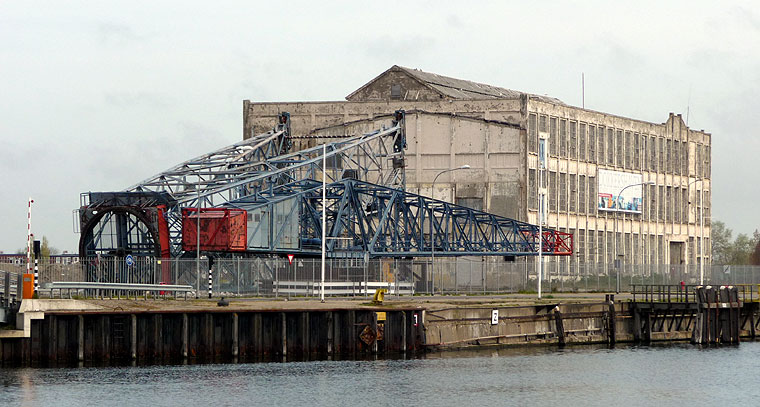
(279, 278)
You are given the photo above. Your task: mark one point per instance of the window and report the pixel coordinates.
(669, 201)
(573, 193)
(592, 144)
(581, 246)
(532, 190)
(644, 152)
(582, 194)
(563, 138)
(591, 247)
(474, 203)
(610, 248)
(661, 203)
(636, 156)
(562, 192)
(676, 157)
(661, 160)
(572, 146)
(592, 205)
(582, 142)
(610, 146)
(636, 252)
(668, 155)
(552, 191)
(600, 144)
(619, 149)
(628, 150)
(532, 133)
(553, 141)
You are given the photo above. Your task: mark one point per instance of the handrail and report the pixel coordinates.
(119, 288)
(685, 293)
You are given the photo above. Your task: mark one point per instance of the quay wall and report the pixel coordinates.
(219, 335)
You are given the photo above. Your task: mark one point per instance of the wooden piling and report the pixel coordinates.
(559, 327)
(80, 338)
(612, 325)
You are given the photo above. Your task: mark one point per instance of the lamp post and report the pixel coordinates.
(617, 200)
(324, 221)
(701, 229)
(432, 230)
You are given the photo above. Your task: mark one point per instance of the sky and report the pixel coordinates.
(97, 96)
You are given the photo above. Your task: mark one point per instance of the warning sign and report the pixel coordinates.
(290, 258)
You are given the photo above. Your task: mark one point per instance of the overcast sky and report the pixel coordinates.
(96, 96)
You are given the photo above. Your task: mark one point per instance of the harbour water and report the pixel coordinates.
(673, 374)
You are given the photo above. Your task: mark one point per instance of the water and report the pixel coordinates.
(590, 376)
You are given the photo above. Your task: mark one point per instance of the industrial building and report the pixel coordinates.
(627, 189)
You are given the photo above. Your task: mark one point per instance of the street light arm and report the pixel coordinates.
(463, 167)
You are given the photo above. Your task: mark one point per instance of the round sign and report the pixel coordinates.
(129, 260)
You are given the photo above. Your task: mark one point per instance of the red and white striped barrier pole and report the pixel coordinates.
(29, 238)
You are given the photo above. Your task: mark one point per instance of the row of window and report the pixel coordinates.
(572, 193)
(598, 246)
(616, 147)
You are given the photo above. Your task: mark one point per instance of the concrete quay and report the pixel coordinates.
(52, 332)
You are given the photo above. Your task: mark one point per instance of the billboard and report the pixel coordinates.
(610, 185)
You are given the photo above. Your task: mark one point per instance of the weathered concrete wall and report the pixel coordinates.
(408, 89)
(260, 117)
(437, 142)
(440, 141)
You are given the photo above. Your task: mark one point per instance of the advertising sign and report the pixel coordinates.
(611, 183)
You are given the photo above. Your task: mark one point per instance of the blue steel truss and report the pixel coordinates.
(384, 222)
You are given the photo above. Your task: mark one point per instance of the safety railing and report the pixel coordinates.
(685, 293)
(111, 290)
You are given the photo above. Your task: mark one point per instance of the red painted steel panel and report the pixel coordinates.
(221, 229)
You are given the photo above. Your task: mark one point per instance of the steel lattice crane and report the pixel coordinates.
(278, 194)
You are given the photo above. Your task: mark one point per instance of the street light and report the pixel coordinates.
(701, 229)
(432, 231)
(617, 199)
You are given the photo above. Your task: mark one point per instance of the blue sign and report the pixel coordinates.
(129, 260)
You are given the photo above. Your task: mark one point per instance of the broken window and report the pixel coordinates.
(396, 91)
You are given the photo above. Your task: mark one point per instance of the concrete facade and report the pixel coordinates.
(452, 122)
